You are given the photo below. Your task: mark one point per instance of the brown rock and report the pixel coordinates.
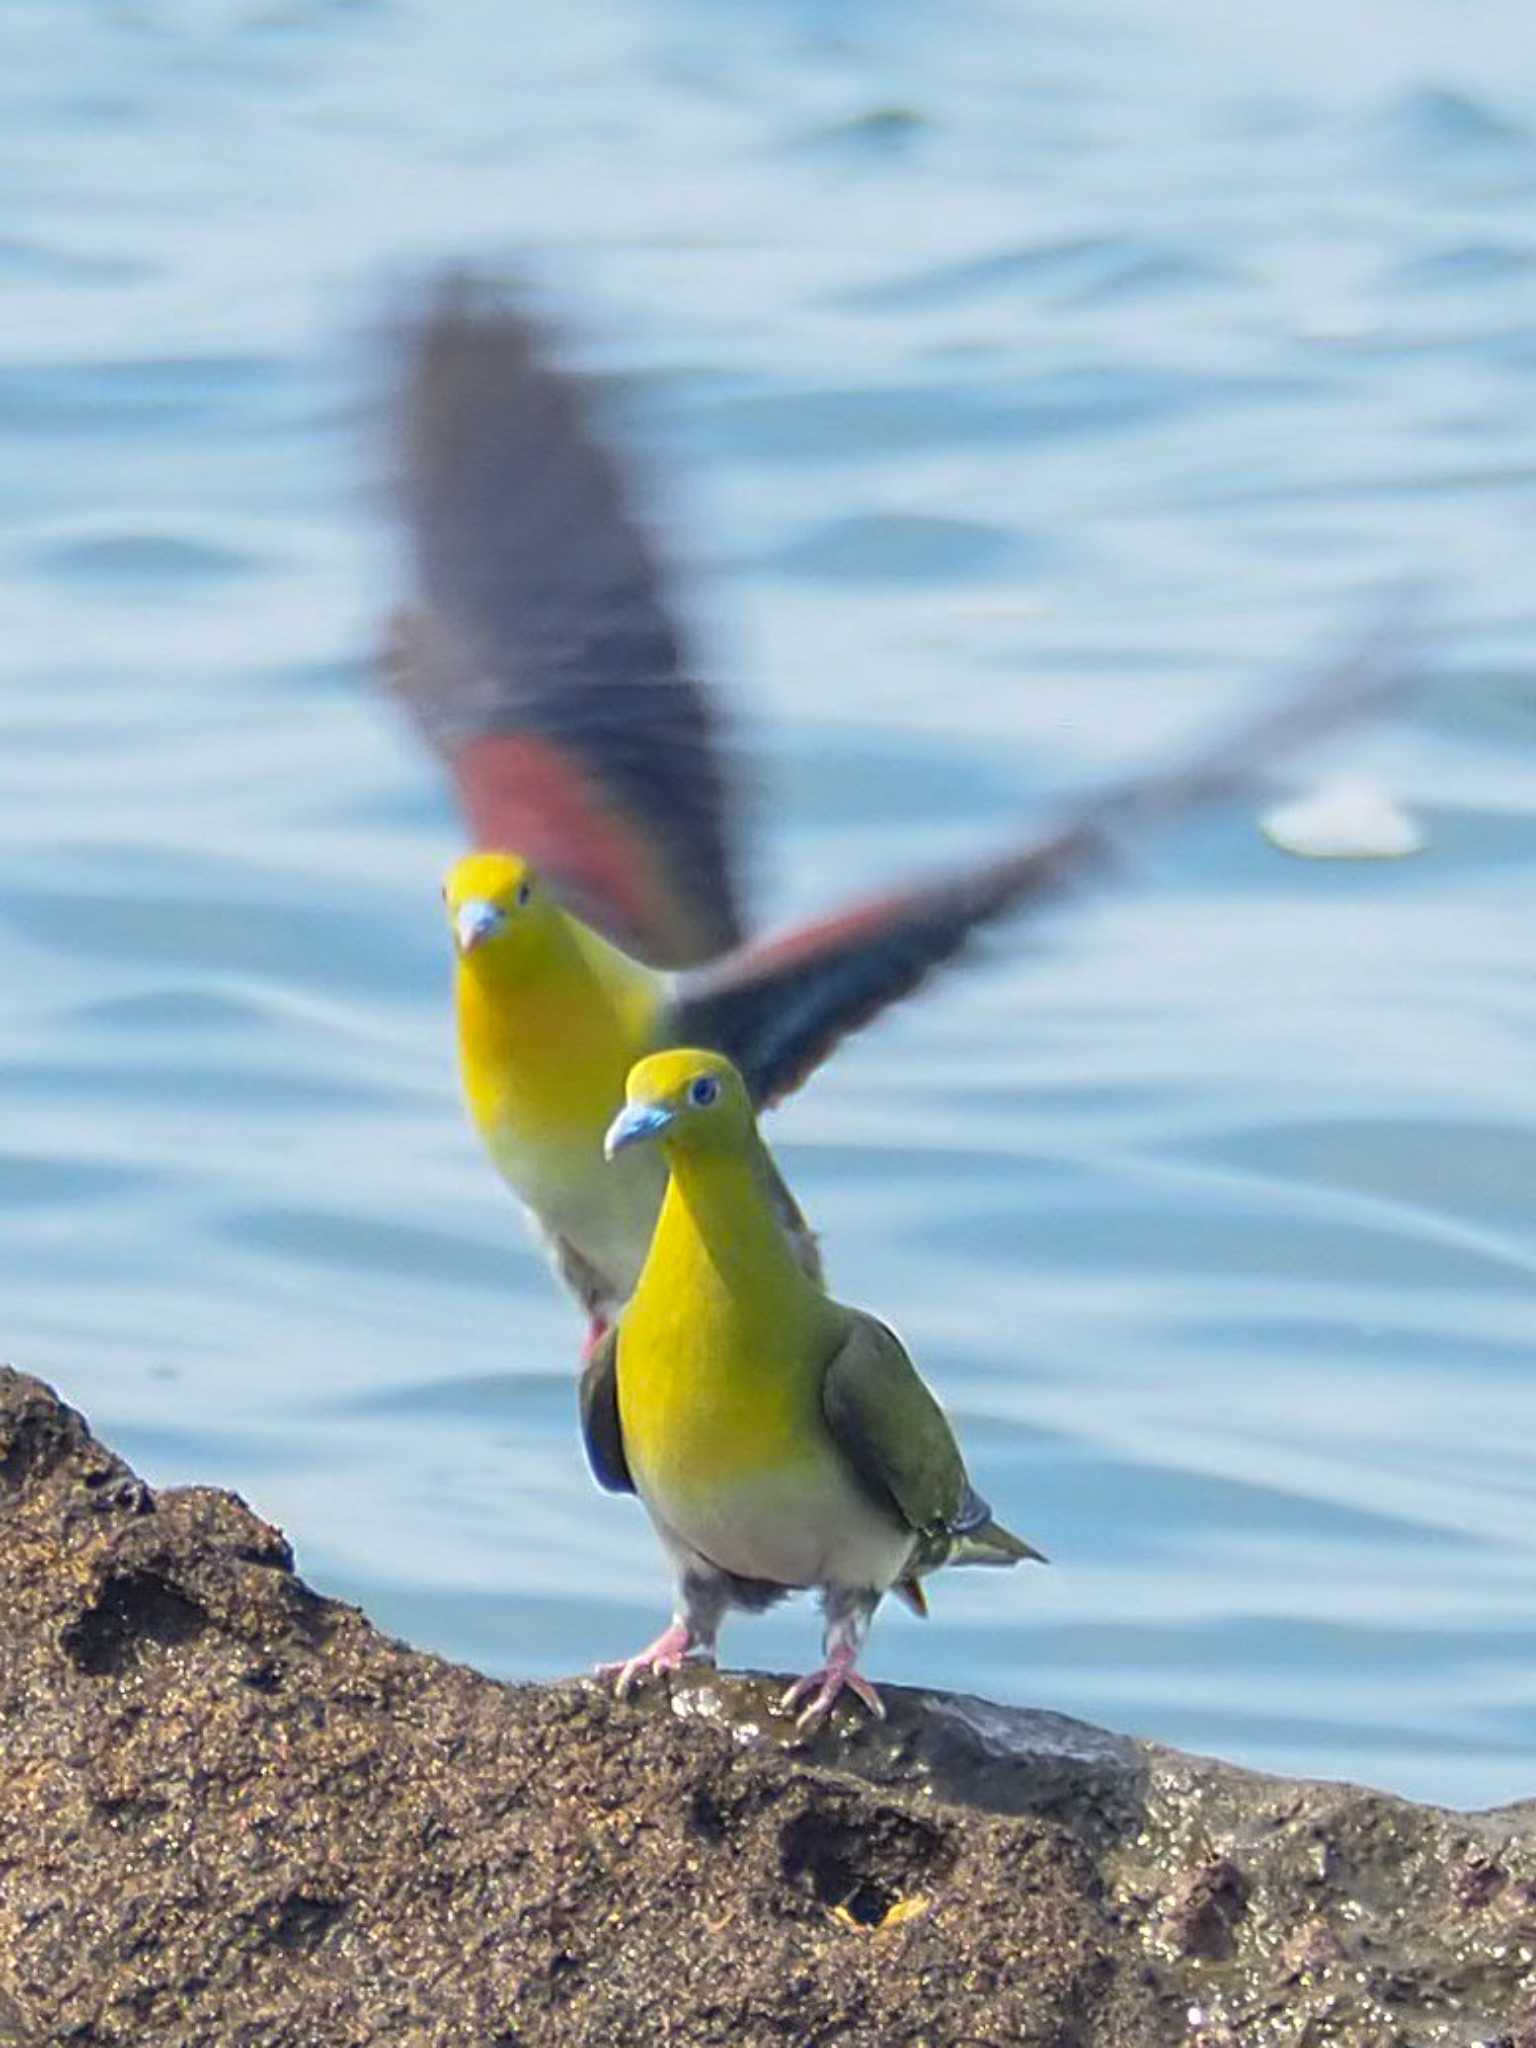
(1203, 1913)
(232, 1814)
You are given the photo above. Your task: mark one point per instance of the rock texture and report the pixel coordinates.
(233, 1814)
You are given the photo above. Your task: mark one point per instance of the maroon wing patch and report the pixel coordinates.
(538, 655)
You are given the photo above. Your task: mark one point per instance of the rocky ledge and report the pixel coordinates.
(233, 1813)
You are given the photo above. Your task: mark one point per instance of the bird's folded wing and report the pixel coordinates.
(600, 1429)
(891, 1429)
(538, 655)
(778, 1006)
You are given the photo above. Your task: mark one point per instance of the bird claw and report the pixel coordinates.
(669, 1652)
(833, 1679)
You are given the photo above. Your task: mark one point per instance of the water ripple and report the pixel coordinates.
(1019, 390)
(153, 560)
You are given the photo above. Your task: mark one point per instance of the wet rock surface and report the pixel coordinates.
(233, 1813)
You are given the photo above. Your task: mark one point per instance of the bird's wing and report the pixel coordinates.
(600, 1429)
(893, 1432)
(778, 1006)
(539, 656)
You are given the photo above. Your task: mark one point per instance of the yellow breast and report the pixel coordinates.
(720, 1371)
(722, 1360)
(543, 1056)
(730, 1452)
(700, 1401)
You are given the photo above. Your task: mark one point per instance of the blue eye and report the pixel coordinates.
(704, 1091)
(524, 893)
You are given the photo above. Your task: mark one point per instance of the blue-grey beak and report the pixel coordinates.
(475, 920)
(636, 1122)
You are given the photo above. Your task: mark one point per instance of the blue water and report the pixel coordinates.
(1022, 387)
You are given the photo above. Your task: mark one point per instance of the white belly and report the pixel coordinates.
(813, 1526)
(607, 1214)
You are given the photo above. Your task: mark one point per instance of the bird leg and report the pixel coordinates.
(665, 1654)
(848, 1617)
(597, 1329)
(701, 1602)
(835, 1677)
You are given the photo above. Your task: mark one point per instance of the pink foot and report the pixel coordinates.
(597, 1330)
(834, 1678)
(667, 1653)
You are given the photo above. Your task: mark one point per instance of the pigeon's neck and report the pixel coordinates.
(719, 1220)
(546, 1046)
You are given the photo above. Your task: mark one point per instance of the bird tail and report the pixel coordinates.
(991, 1543)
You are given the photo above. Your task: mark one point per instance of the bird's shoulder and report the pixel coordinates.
(636, 993)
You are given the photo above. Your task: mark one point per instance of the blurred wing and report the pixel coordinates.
(539, 658)
(777, 1007)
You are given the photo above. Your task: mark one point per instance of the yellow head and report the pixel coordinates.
(688, 1101)
(497, 909)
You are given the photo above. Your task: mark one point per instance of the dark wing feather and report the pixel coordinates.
(600, 1429)
(892, 1431)
(778, 1007)
(539, 656)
